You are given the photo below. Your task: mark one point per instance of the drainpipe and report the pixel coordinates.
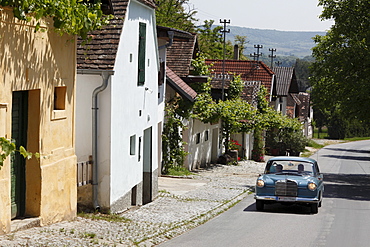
(105, 74)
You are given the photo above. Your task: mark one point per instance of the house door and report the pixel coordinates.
(215, 147)
(19, 135)
(147, 166)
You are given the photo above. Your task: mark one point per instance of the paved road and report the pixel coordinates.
(343, 220)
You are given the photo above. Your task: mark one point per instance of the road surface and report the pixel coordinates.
(343, 219)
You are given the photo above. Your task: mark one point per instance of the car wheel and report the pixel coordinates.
(259, 205)
(314, 208)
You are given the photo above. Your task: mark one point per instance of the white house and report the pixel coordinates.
(118, 109)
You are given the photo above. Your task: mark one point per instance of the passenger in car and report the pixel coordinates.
(300, 168)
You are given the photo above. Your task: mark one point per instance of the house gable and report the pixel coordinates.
(100, 53)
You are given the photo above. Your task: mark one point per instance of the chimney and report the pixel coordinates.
(236, 52)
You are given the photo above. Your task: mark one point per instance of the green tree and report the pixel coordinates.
(69, 16)
(175, 14)
(303, 73)
(211, 41)
(340, 73)
(242, 42)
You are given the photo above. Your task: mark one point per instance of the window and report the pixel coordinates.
(141, 55)
(139, 158)
(198, 138)
(60, 98)
(206, 136)
(132, 144)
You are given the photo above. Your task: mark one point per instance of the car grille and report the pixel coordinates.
(286, 188)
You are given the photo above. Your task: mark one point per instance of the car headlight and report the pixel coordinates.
(312, 186)
(260, 183)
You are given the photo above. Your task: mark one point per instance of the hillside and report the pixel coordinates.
(286, 43)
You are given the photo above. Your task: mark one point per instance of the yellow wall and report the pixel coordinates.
(39, 62)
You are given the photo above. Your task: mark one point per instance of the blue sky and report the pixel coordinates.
(285, 15)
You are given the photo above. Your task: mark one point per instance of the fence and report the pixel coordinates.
(84, 173)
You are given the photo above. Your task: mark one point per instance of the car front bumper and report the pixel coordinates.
(287, 199)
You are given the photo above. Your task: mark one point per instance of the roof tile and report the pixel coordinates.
(286, 81)
(179, 85)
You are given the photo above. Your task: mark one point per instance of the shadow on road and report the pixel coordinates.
(348, 157)
(279, 208)
(349, 150)
(347, 186)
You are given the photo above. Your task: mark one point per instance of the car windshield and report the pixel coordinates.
(299, 168)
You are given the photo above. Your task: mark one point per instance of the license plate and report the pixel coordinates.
(286, 199)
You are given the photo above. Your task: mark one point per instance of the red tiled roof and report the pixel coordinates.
(180, 86)
(100, 53)
(249, 70)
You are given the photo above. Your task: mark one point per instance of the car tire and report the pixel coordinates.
(259, 205)
(314, 208)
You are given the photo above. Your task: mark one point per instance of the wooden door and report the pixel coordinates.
(19, 136)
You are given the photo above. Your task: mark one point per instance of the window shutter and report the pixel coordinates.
(142, 44)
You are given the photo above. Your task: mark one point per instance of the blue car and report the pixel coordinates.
(290, 180)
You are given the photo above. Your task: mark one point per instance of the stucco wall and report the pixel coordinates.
(125, 110)
(39, 62)
(134, 108)
(85, 86)
(200, 153)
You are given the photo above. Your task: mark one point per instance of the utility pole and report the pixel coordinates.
(258, 54)
(272, 56)
(278, 63)
(224, 31)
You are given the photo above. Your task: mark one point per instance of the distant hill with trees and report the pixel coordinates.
(287, 43)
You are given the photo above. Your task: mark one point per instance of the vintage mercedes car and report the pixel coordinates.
(290, 180)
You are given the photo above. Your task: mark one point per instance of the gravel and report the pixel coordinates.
(169, 215)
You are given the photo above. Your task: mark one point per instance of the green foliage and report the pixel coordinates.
(172, 144)
(211, 41)
(236, 116)
(303, 73)
(340, 127)
(234, 145)
(174, 14)
(312, 143)
(75, 17)
(242, 42)
(258, 151)
(293, 140)
(199, 65)
(7, 148)
(341, 70)
(178, 171)
(235, 88)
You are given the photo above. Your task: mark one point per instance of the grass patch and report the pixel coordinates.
(322, 135)
(106, 217)
(178, 171)
(356, 139)
(313, 144)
